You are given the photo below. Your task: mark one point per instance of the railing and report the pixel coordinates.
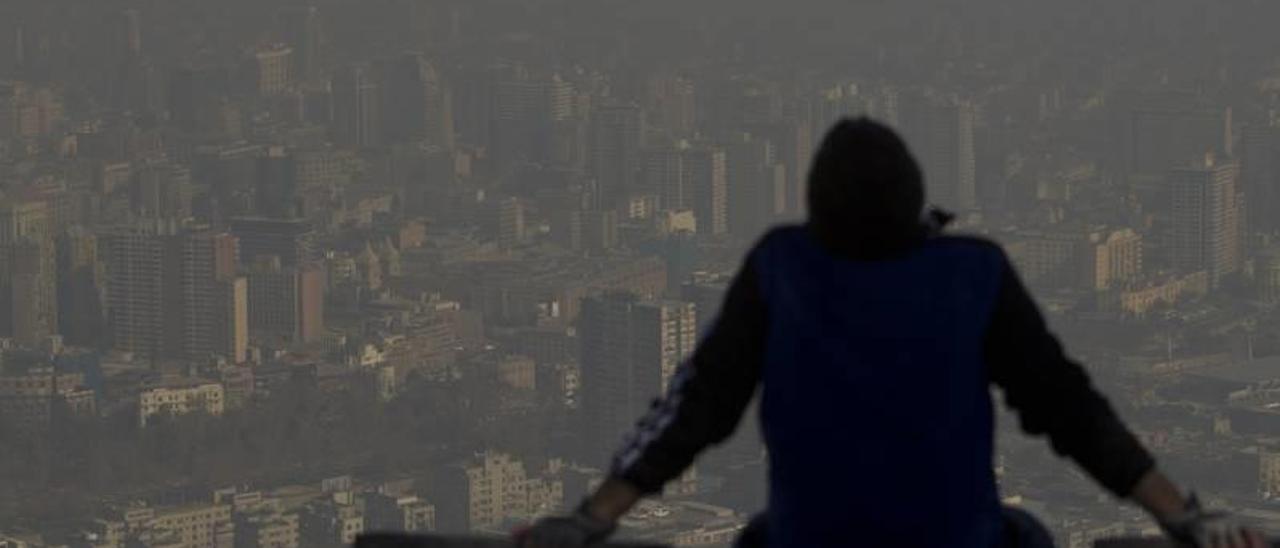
(402, 540)
(1141, 542)
(1134, 543)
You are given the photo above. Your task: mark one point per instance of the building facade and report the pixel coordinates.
(630, 350)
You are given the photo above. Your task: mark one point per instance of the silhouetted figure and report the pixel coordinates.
(873, 339)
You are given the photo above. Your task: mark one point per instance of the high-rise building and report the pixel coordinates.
(176, 294)
(630, 350)
(831, 104)
(994, 147)
(589, 230)
(28, 275)
(80, 283)
(1260, 178)
(129, 79)
(162, 189)
(694, 178)
(665, 176)
(273, 69)
(356, 108)
(756, 185)
(276, 178)
(196, 93)
(33, 291)
(286, 304)
(146, 87)
(416, 104)
(303, 30)
(211, 301)
(19, 48)
(135, 289)
(615, 137)
(707, 171)
(128, 34)
(473, 104)
(679, 251)
(939, 132)
(1204, 219)
(509, 222)
(793, 149)
(674, 100)
(124, 75)
(1156, 131)
(289, 239)
(25, 219)
(527, 110)
(707, 293)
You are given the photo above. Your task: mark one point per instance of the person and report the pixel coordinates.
(873, 339)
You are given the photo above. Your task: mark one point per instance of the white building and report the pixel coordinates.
(180, 400)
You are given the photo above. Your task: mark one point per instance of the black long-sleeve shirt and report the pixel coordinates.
(1052, 394)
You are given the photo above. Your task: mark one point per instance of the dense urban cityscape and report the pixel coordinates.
(278, 272)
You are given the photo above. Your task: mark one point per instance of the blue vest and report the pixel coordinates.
(876, 409)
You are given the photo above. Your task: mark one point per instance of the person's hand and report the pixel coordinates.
(1195, 527)
(577, 530)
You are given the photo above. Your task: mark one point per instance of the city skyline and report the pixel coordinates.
(278, 272)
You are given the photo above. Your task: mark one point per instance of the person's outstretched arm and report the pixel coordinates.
(1053, 396)
(705, 401)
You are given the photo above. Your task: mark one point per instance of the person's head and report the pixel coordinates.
(866, 191)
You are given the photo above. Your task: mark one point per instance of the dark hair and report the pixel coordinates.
(866, 191)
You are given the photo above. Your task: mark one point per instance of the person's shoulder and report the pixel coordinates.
(974, 241)
(971, 243)
(778, 241)
(780, 235)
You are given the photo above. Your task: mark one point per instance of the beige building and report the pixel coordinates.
(1048, 258)
(273, 69)
(385, 512)
(28, 400)
(232, 519)
(196, 526)
(1267, 273)
(1205, 219)
(1115, 258)
(512, 370)
(27, 111)
(285, 304)
(1137, 301)
(190, 526)
(1269, 473)
(333, 523)
(28, 270)
(266, 529)
(491, 489)
(180, 399)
